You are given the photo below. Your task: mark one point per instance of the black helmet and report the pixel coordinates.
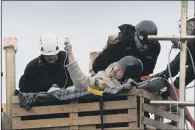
(133, 67)
(145, 28)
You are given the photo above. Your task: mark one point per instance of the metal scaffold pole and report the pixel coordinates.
(167, 103)
(184, 12)
(170, 37)
(183, 49)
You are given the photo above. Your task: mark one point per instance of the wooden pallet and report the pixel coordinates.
(120, 112)
(5, 121)
(159, 113)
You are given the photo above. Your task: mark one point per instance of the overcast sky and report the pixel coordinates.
(87, 24)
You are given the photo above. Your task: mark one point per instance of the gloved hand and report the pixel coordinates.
(161, 74)
(165, 95)
(175, 43)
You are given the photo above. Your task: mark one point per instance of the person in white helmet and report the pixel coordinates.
(47, 69)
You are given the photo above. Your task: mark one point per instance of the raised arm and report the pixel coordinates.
(79, 79)
(175, 63)
(108, 55)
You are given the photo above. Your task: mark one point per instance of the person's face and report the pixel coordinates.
(189, 27)
(51, 58)
(116, 72)
(139, 45)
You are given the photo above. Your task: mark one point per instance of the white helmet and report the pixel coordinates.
(49, 44)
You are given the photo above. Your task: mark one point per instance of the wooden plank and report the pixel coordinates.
(117, 128)
(16, 106)
(16, 119)
(141, 116)
(74, 116)
(134, 91)
(158, 124)
(133, 125)
(150, 128)
(56, 128)
(120, 128)
(5, 122)
(133, 100)
(66, 108)
(57, 122)
(87, 127)
(133, 113)
(160, 112)
(148, 95)
(15, 100)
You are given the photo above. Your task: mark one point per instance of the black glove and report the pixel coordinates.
(175, 43)
(161, 74)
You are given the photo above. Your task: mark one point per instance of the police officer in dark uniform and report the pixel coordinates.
(175, 63)
(131, 41)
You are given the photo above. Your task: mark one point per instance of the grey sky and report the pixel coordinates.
(87, 24)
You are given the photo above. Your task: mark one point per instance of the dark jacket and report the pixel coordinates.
(175, 64)
(39, 76)
(189, 76)
(126, 47)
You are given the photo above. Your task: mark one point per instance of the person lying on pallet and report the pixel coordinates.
(175, 63)
(47, 69)
(129, 67)
(110, 77)
(131, 41)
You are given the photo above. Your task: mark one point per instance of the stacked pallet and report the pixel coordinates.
(123, 112)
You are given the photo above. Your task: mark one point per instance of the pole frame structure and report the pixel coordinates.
(168, 103)
(170, 37)
(184, 12)
(10, 47)
(183, 38)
